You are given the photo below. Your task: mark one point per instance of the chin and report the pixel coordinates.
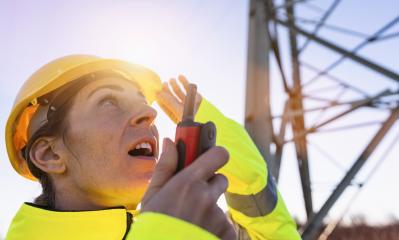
(138, 181)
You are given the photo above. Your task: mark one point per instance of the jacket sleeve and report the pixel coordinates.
(157, 226)
(254, 202)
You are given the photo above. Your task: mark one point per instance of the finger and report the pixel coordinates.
(164, 169)
(177, 90)
(174, 117)
(228, 232)
(218, 185)
(170, 105)
(208, 163)
(168, 96)
(166, 89)
(183, 80)
(219, 224)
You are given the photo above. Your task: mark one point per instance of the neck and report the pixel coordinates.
(70, 198)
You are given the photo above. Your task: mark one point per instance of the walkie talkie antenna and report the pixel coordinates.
(189, 103)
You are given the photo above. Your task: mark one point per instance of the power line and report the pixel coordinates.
(330, 227)
(335, 79)
(327, 156)
(313, 7)
(388, 36)
(320, 24)
(352, 126)
(285, 5)
(372, 38)
(335, 28)
(356, 58)
(322, 112)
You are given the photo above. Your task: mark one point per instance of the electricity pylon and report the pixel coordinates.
(265, 20)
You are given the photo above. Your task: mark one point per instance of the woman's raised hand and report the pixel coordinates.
(171, 98)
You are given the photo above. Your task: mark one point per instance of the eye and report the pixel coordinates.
(109, 101)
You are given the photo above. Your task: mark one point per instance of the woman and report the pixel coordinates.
(84, 128)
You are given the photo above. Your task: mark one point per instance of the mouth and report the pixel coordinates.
(144, 148)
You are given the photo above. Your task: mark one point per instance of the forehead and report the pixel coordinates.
(120, 83)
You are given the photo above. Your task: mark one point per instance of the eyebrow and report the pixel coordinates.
(110, 86)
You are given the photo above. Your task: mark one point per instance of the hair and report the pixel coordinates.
(55, 126)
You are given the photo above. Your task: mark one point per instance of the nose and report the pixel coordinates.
(145, 116)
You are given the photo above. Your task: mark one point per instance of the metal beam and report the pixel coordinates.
(313, 226)
(355, 105)
(298, 122)
(274, 43)
(374, 66)
(279, 140)
(258, 121)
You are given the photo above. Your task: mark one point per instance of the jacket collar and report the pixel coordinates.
(35, 222)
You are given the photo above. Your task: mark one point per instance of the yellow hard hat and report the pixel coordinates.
(56, 74)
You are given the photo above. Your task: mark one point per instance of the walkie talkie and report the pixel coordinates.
(192, 138)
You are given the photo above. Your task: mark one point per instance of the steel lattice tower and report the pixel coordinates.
(268, 130)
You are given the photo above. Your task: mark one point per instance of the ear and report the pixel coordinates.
(46, 156)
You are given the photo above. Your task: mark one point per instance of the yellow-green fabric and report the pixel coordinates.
(247, 174)
(163, 227)
(35, 223)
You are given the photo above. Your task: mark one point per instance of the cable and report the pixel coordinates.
(388, 36)
(313, 7)
(322, 112)
(335, 79)
(372, 38)
(338, 29)
(365, 124)
(320, 24)
(291, 3)
(323, 89)
(330, 227)
(327, 156)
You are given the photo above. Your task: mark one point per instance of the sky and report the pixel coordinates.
(207, 41)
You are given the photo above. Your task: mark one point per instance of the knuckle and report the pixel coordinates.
(189, 181)
(196, 173)
(184, 182)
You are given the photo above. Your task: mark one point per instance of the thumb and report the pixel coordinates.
(165, 168)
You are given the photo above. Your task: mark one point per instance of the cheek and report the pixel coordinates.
(102, 165)
(95, 145)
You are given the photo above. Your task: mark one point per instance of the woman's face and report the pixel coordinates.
(112, 142)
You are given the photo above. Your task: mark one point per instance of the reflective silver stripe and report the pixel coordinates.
(255, 205)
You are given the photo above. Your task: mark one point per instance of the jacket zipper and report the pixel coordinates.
(129, 221)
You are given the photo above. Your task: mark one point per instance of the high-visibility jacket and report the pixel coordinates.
(253, 200)
(254, 203)
(35, 223)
